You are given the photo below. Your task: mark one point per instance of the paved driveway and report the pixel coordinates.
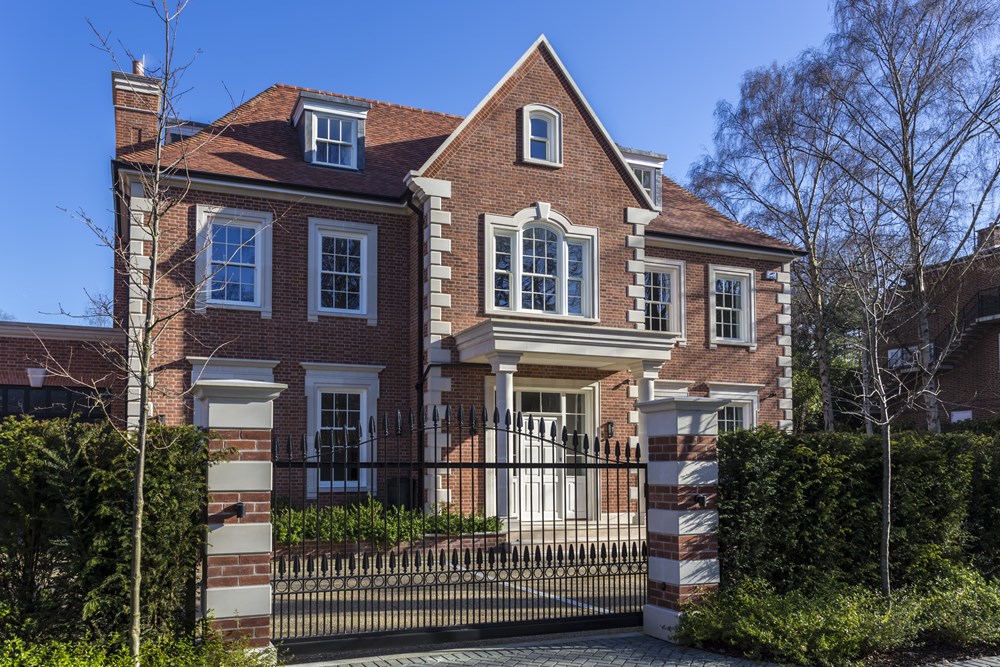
(620, 650)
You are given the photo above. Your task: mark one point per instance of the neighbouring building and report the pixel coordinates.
(965, 334)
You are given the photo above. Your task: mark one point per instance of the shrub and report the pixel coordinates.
(181, 652)
(371, 521)
(65, 528)
(804, 511)
(845, 625)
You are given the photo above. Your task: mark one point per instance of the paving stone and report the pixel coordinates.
(623, 650)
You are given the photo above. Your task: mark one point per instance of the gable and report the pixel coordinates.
(539, 78)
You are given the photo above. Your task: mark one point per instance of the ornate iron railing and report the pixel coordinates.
(419, 529)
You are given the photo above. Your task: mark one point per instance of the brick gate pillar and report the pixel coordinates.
(682, 520)
(236, 580)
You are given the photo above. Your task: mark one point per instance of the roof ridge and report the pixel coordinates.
(365, 99)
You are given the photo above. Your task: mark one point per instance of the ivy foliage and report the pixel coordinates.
(66, 524)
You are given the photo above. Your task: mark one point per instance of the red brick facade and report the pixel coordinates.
(253, 161)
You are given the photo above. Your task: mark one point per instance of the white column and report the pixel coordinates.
(504, 366)
(645, 374)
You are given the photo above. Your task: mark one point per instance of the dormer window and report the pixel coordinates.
(542, 140)
(648, 169)
(332, 130)
(336, 141)
(645, 176)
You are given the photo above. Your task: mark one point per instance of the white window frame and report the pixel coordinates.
(746, 396)
(353, 143)
(261, 222)
(344, 379)
(554, 156)
(636, 169)
(368, 234)
(542, 215)
(748, 324)
(678, 293)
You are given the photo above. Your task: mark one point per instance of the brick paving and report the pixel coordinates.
(631, 649)
(619, 650)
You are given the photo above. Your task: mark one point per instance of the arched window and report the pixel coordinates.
(542, 140)
(540, 267)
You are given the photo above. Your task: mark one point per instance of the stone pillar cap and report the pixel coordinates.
(253, 390)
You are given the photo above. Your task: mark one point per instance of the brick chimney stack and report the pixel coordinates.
(136, 99)
(987, 238)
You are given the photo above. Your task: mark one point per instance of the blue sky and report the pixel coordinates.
(652, 70)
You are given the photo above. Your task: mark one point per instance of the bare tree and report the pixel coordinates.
(878, 281)
(772, 170)
(159, 279)
(918, 84)
(5, 316)
(100, 311)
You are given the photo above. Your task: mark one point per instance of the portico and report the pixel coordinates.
(506, 344)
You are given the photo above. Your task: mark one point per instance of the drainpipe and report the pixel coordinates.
(421, 371)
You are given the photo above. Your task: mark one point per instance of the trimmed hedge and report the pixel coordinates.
(65, 529)
(804, 510)
(371, 521)
(846, 625)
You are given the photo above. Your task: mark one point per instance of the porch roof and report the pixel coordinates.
(562, 344)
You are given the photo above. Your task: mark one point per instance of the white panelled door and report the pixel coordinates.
(551, 493)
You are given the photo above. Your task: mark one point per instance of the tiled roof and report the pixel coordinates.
(257, 141)
(686, 214)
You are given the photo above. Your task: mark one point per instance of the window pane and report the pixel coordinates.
(539, 128)
(539, 150)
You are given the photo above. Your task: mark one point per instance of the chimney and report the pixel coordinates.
(987, 238)
(136, 99)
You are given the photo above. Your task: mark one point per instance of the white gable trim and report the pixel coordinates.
(541, 41)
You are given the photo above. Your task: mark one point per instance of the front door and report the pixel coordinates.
(551, 493)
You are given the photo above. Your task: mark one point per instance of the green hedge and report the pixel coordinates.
(847, 625)
(371, 521)
(207, 651)
(804, 510)
(65, 529)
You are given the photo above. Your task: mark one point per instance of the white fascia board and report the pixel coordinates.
(709, 247)
(538, 43)
(479, 107)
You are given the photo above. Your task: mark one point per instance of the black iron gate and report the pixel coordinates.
(457, 526)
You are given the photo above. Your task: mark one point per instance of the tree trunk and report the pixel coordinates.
(883, 550)
(825, 384)
(135, 631)
(866, 393)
